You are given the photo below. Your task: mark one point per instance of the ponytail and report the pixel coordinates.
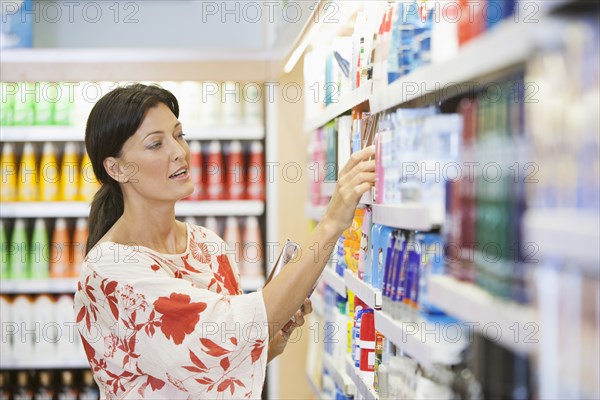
(107, 207)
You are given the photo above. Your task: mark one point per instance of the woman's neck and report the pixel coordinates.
(154, 227)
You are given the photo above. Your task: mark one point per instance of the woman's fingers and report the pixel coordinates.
(307, 307)
(357, 157)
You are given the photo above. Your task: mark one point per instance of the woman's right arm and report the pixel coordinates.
(284, 295)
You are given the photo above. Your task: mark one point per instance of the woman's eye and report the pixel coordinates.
(181, 135)
(155, 145)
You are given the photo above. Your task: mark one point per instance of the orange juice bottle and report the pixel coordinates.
(49, 174)
(27, 184)
(8, 165)
(88, 184)
(79, 240)
(60, 256)
(69, 172)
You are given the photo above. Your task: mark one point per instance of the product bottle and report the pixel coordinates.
(367, 345)
(69, 171)
(80, 237)
(88, 184)
(232, 239)
(212, 224)
(59, 252)
(214, 171)
(23, 390)
(4, 386)
(252, 257)
(22, 315)
(230, 103)
(66, 391)
(44, 310)
(68, 349)
(44, 390)
(234, 175)
(8, 93)
(196, 171)
(24, 106)
(39, 251)
(8, 165)
(89, 391)
(47, 94)
(49, 174)
(19, 260)
(4, 253)
(256, 172)
(210, 104)
(63, 108)
(27, 185)
(364, 243)
(253, 114)
(6, 344)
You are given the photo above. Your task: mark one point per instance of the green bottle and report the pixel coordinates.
(39, 251)
(4, 271)
(24, 105)
(7, 91)
(19, 261)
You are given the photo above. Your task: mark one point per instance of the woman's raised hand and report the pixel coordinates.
(355, 179)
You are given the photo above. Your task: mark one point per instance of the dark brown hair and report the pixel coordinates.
(113, 120)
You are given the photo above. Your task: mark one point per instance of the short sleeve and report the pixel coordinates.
(150, 334)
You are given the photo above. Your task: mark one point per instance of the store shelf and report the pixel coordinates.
(569, 234)
(73, 134)
(339, 376)
(364, 389)
(34, 286)
(134, 64)
(44, 364)
(425, 342)
(334, 281)
(481, 60)
(511, 325)
(41, 209)
(366, 292)
(353, 99)
(81, 209)
(314, 212)
(313, 386)
(406, 216)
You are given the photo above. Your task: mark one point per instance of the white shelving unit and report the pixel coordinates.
(339, 376)
(364, 390)
(366, 292)
(334, 110)
(318, 304)
(423, 341)
(45, 364)
(74, 134)
(568, 234)
(406, 216)
(82, 209)
(36, 286)
(334, 281)
(511, 325)
(314, 212)
(507, 45)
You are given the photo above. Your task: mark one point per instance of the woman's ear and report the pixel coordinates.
(113, 168)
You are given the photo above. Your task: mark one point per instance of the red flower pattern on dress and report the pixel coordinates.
(180, 316)
(176, 295)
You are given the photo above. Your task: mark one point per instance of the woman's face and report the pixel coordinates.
(154, 162)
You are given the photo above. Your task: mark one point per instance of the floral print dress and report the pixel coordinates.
(157, 326)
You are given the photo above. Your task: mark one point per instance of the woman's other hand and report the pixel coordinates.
(355, 179)
(280, 341)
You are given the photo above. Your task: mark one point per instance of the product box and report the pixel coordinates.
(16, 24)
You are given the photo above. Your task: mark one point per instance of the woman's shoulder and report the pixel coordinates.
(201, 234)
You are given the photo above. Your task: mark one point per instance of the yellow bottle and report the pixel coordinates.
(49, 174)
(88, 184)
(27, 184)
(8, 165)
(69, 171)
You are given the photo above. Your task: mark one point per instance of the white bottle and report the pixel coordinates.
(49, 331)
(232, 239)
(253, 109)
(6, 319)
(231, 104)
(252, 258)
(24, 338)
(212, 224)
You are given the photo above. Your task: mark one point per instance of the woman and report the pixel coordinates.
(159, 306)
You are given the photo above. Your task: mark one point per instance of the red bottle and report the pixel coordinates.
(234, 176)
(214, 172)
(196, 171)
(256, 172)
